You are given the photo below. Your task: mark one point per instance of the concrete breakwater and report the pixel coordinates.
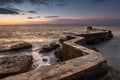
(78, 61)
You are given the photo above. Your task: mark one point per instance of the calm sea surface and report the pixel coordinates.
(40, 35)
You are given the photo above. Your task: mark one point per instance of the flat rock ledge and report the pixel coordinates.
(79, 62)
(14, 64)
(11, 64)
(14, 45)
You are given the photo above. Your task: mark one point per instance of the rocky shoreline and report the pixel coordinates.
(14, 45)
(14, 63)
(21, 63)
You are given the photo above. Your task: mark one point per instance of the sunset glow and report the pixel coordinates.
(60, 12)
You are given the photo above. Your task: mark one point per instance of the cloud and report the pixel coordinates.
(30, 17)
(99, 1)
(36, 2)
(34, 17)
(4, 2)
(84, 21)
(51, 16)
(38, 16)
(11, 3)
(34, 12)
(23, 13)
(79, 21)
(8, 11)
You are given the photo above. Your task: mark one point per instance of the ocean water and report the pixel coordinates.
(41, 35)
(111, 49)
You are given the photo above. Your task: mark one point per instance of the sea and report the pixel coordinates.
(39, 35)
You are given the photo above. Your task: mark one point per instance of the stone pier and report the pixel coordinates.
(79, 62)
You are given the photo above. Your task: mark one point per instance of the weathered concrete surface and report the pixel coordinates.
(14, 64)
(15, 45)
(82, 64)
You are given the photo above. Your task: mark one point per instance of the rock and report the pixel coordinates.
(59, 54)
(89, 28)
(48, 48)
(54, 45)
(14, 45)
(14, 64)
(110, 35)
(44, 60)
(63, 39)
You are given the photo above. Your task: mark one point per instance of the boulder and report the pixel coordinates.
(59, 54)
(89, 28)
(48, 48)
(14, 45)
(14, 64)
(54, 45)
(44, 59)
(110, 35)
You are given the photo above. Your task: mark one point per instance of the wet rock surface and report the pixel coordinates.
(54, 45)
(48, 48)
(14, 45)
(45, 48)
(14, 64)
(44, 60)
(59, 53)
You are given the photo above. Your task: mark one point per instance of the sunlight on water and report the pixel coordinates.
(27, 40)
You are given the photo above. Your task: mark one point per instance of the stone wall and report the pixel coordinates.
(97, 37)
(81, 63)
(72, 50)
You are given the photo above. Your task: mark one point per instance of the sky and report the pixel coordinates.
(18, 12)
